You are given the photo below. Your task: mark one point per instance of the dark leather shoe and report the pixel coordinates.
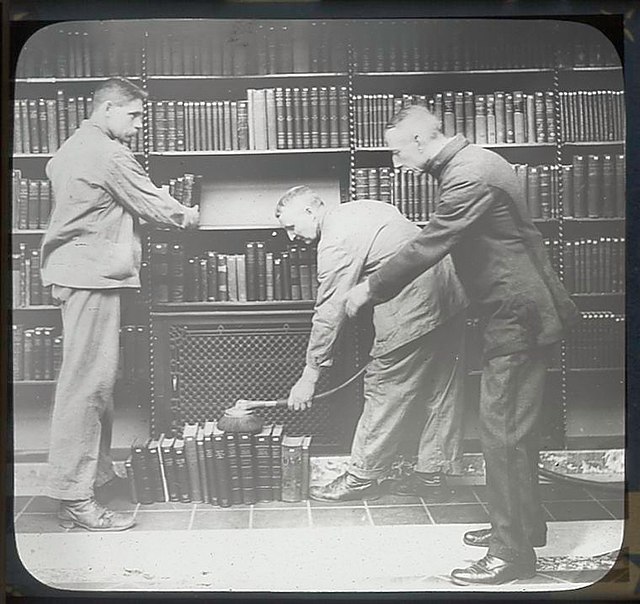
(346, 487)
(492, 570)
(432, 487)
(482, 537)
(89, 514)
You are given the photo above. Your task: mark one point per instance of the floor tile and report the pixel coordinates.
(391, 499)
(399, 515)
(481, 492)
(576, 510)
(461, 494)
(167, 506)
(340, 517)
(616, 507)
(162, 521)
(266, 505)
(458, 514)
(563, 492)
(19, 503)
(39, 523)
(293, 518)
(605, 494)
(120, 504)
(577, 576)
(221, 519)
(357, 503)
(43, 504)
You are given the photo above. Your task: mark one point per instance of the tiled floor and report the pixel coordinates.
(373, 545)
(467, 504)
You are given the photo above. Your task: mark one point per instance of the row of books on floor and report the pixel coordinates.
(498, 117)
(270, 118)
(594, 186)
(187, 189)
(31, 200)
(424, 46)
(37, 352)
(594, 265)
(42, 125)
(26, 281)
(255, 275)
(597, 341)
(204, 464)
(592, 115)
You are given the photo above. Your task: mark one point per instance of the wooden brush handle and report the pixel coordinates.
(248, 404)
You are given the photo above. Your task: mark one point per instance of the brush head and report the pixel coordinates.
(240, 420)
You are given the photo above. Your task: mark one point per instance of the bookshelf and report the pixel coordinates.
(358, 74)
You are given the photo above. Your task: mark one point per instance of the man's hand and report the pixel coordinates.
(357, 298)
(193, 219)
(301, 394)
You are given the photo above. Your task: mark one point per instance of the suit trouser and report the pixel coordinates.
(420, 384)
(82, 420)
(511, 395)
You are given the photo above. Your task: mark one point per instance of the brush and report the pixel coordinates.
(242, 417)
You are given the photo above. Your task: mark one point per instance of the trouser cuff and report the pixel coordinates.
(366, 474)
(451, 468)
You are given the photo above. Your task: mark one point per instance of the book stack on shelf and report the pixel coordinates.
(256, 275)
(597, 342)
(423, 46)
(37, 353)
(268, 119)
(249, 48)
(494, 118)
(594, 186)
(94, 52)
(594, 265)
(26, 280)
(187, 189)
(204, 464)
(42, 125)
(134, 354)
(32, 200)
(592, 115)
(577, 52)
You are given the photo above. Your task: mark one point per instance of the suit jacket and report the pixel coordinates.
(483, 221)
(356, 238)
(100, 191)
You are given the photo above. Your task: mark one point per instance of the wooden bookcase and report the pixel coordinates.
(221, 61)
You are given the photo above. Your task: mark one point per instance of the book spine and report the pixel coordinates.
(234, 467)
(182, 471)
(202, 465)
(131, 482)
(276, 462)
(191, 457)
(246, 467)
(210, 466)
(261, 270)
(170, 470)
(594, 186)
(222, 470)
(579, 186)
(291, 472)
(155, 475)
(142, 477)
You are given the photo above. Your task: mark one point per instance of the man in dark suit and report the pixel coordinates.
(90, 253)
(483, 222)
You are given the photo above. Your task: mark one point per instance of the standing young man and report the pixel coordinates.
(483, 222)
(417, 369)
(90, 252)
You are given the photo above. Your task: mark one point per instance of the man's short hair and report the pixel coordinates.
(295, 193)
(118, 90)
(428, 120)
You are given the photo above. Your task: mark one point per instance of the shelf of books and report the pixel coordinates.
(241, 111)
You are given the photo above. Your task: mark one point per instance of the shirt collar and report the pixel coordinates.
(441, 158)
(88, 123)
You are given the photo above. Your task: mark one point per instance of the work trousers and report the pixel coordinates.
(511, 395)
(82, 420)
(419, 385)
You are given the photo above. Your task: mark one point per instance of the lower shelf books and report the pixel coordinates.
(594, 265)
(256, 275)
(207, 465)
(32, 200)
(37, 353)
(26, 280)
(597, 342)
